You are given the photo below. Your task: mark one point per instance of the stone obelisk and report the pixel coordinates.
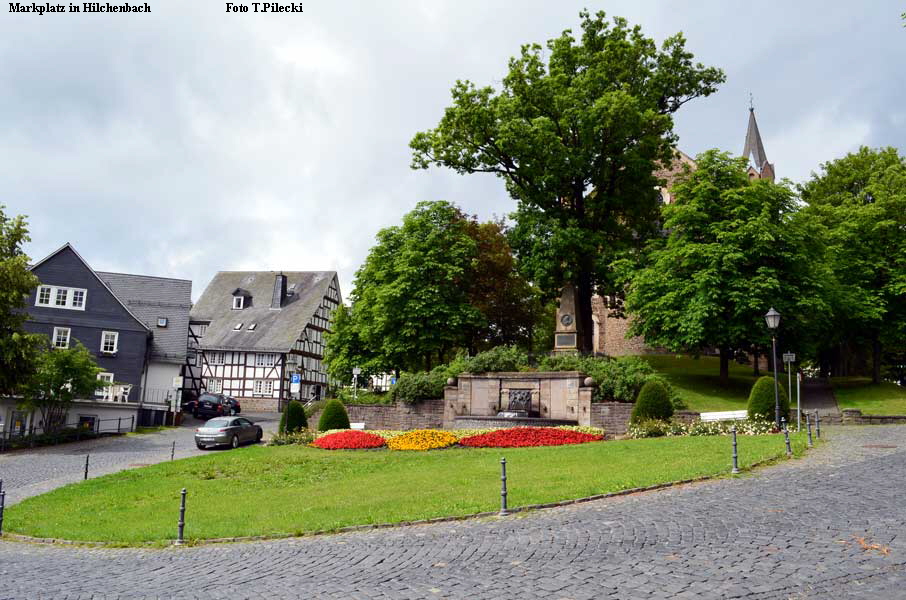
(566, 335)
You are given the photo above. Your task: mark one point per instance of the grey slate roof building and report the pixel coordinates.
(162, 304)
(253, 331)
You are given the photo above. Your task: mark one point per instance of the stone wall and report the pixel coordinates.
(855, 417)
(613, 417)
(259, 404)
(427, 414)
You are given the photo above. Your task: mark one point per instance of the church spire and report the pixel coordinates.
(754, 150)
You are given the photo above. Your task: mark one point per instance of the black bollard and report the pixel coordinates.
(817, 424)
(86, 465)
(735, 470)
(808, 426)
(786, 437)
(173, 450)
(503, 510)
(182, 518)
(2, 506)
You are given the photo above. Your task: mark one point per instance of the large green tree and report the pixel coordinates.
(733, 248)
(861, 200)
(17, 348)
(576, 132)
(61, 375)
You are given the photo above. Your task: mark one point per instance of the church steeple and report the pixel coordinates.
(759, 167)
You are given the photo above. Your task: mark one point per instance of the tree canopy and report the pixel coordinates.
(17, 348)
(576, 133)
(861, 201)
(732, 250)
(439, 282)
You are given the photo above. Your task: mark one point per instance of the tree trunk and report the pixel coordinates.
(756, 371)
(725, 365)
(875, 358)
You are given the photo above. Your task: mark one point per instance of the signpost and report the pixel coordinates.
(295, 383)
(355, 382)
(788, 359)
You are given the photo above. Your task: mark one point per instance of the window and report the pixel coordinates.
(215, 386)
(216, 358)
(62, 297)
(161, 321)
(61, 337)
(199, 329)
(265, 360)
(264, 387)
(251, 327)
(87, 422)
(109, 342)
(104, 392)
(238, 302)
(237, 327)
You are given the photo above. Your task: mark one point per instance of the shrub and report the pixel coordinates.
(422, 439)
(528, 436)
(761, 400)
(657, 428)
(334, 416)
(412, 387)
(281, 428)
(348, 440)
(293, 418)
(499, 358)
(653, 402)
(313, 407)
(346, 396)
(303, 438)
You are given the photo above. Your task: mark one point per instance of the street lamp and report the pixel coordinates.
(773, 321)
(355, 382)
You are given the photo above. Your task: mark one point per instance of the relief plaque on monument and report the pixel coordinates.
(567, 332)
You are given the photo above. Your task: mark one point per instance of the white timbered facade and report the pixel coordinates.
(250, 332)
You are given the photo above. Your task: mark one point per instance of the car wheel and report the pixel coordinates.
(200, 446)
(258, 437)
(234, 443)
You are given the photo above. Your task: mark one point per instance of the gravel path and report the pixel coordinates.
(31, 472)
(827, 526)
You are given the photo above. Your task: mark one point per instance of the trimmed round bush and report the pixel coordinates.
(653, 403)
(333, 416)
(761, 400)
(295, 417)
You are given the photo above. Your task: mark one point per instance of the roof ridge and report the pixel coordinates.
(140, 275)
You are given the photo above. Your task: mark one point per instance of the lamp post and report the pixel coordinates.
(773, 320)
(355, 382)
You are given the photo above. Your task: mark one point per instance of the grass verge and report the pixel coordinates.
(859, 392)
(291, 489)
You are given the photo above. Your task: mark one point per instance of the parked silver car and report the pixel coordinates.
(230, 431)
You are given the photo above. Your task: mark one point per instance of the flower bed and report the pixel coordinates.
(349, 439)
(422, 439)
(656, 428)
(528, 436)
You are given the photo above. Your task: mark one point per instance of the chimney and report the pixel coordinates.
(279, 291)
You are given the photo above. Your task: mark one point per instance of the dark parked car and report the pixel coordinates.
(230, 431)
(215, 405)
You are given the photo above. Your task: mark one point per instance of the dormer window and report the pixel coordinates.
(237, 327)
(238, 302)
(251, 327)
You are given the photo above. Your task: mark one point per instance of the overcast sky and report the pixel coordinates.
(188, 140)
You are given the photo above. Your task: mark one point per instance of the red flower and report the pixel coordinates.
(528, 436)
(351, 439)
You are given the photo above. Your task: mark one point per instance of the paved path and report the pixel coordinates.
(817, 394)
(827, 526)
(31, 472)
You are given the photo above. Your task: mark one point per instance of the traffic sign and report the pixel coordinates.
(789, 357)
(295, 378)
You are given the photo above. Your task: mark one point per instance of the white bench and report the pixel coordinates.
(357, 426)
(727, 415)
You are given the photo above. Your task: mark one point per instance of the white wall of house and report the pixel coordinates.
(159, 382)
(104, 415)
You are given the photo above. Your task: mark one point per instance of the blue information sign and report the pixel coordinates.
(295, 378)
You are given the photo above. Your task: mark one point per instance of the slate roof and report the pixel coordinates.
(754, 146)
(276, 329)
(149, 298)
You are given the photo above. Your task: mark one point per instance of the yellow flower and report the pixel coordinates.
(422, 439)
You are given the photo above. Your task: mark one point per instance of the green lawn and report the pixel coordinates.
(696, 380)
(858, 392)
(292, 489)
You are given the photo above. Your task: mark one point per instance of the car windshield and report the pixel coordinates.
(218, 423)
(209, 397)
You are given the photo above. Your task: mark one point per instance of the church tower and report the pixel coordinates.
(759, 167)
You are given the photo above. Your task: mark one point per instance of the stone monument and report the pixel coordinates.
(567, 332)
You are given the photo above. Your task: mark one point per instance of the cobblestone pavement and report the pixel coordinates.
(31, 472)
(827, 526)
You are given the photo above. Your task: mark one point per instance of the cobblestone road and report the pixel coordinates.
(828, 526)
(31, 472)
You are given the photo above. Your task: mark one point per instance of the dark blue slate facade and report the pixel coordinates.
(103, 312)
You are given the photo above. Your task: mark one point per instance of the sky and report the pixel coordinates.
(191, 140)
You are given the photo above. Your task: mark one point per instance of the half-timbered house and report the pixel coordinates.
(252, 331)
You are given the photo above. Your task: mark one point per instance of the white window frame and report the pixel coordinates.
(265, 359)
(57, 332)
(199, 329)
(264, 387)
(162, 321)
(214, 385)
(116, 342)
(238, 302)
(104, 392)
(67, 294)
(217, 359)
